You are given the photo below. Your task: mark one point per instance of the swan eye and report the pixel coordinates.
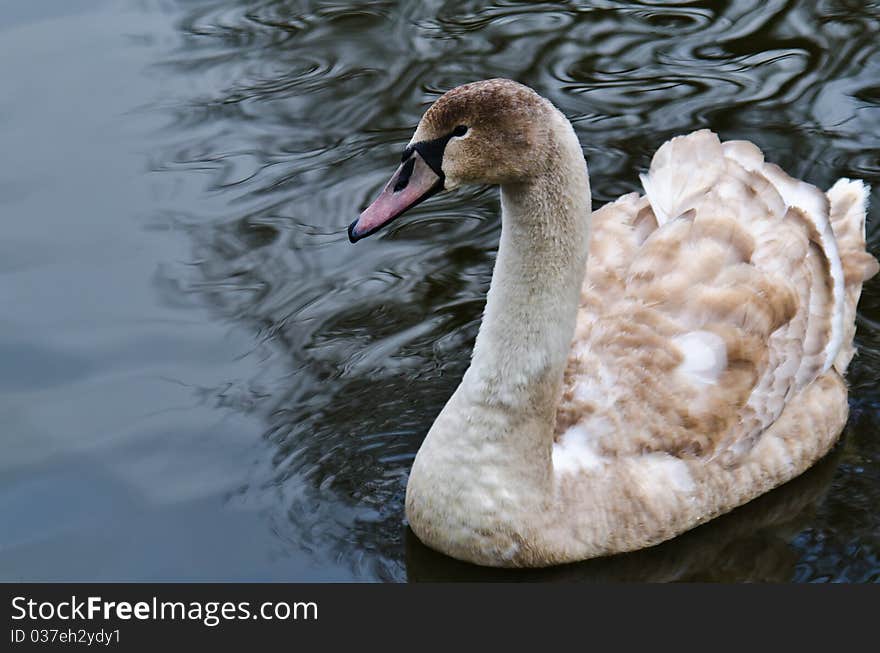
(461, 130)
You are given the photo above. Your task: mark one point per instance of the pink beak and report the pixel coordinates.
(413, 182)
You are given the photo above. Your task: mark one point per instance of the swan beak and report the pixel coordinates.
(413, 182)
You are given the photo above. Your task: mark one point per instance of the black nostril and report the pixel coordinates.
(405, 173)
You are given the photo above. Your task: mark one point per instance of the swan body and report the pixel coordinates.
(639, 369)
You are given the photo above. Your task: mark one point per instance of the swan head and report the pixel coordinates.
(488, 132)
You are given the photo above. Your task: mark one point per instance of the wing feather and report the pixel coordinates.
(707, 304)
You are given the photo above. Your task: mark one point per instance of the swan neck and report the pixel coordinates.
(486, 464)
(528, 324)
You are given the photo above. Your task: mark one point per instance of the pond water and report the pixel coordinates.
(202, 379)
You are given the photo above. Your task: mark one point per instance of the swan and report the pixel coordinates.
(695, 363)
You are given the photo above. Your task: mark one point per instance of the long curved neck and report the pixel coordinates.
(523, 343)
(485, 466)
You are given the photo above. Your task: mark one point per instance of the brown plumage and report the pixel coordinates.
(737, 263)
(690, 363)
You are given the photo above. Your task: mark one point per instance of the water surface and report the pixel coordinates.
(202, 378)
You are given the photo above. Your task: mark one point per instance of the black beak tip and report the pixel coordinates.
(353, 236)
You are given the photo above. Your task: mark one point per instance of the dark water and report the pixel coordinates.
(202, 379)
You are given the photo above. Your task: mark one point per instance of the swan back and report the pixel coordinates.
(708, 304)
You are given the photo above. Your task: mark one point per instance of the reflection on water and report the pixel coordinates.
(280, 119)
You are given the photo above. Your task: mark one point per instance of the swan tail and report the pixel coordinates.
(849, 201)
